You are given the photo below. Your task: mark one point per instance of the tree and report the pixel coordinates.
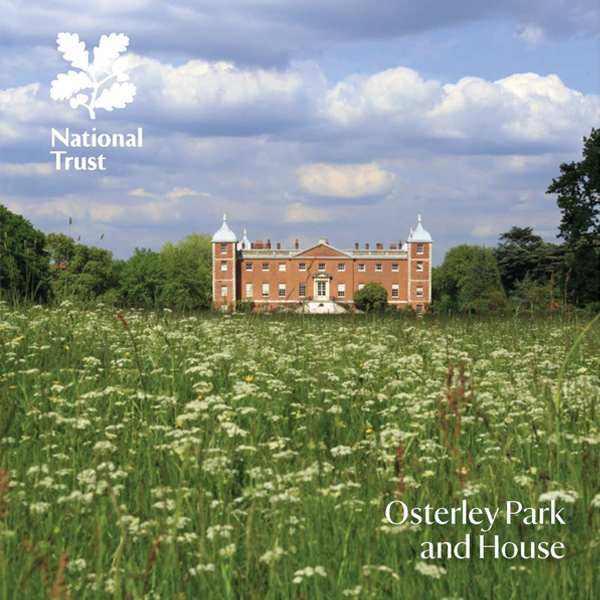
(24, 270)
(142, 279)
(468, 280)
(188, 268)
(524, 257)
(89, 274)
(578, 197)
(373, 296)
(61, 249)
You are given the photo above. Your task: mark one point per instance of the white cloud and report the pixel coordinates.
(140, 192)
(202, 91)
(299, 213)
(29, 169)
(532, 34)
(346, 181)
(524, 107)
(483, 230)
(181, 192)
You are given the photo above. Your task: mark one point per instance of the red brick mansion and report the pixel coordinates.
(322, 277)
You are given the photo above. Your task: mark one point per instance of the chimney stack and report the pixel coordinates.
(356, 245)
(296, 245)
(366, 246)
(278, 245)
(268, 244)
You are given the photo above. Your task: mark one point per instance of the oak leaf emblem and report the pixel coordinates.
(91, 86)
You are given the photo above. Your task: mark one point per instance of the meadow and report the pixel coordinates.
(148, 455)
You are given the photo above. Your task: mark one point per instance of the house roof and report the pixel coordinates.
(224, 234)
(244, 243)
(420, 234)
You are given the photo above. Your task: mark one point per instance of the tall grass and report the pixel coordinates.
(160, 456)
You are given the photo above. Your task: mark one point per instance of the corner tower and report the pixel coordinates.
(420, 245)
(224, 267)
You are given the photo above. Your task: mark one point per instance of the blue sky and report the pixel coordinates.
(305, 118)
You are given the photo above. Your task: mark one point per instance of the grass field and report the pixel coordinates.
(160, 456)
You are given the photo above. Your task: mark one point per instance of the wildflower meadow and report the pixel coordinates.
(150, 455)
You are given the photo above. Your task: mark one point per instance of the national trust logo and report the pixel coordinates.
(96, 76)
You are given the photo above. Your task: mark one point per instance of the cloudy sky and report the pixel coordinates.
(305, 118)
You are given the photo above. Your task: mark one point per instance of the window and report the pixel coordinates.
(265, 266)
(282, 266)
(419, 291)
(224, 291)
(341, 290)
(379, 267)
(223, 248)
(321, 288)
(361, 286)
(395, 290)
(395, 267)
(362, 267)
(419, 265)
(248, 290)
(321, 266)
(419, 248)
(302, 290)
(223, 265)
(419, 309)
(248, 266)
(341, 267)
(265, 290)
(282, 290)
(302, 267)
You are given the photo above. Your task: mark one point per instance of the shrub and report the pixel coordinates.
(372, 297)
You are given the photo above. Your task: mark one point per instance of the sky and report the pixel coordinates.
(303, 118)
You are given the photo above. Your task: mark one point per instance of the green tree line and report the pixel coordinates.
(38, 268)
(522, 270)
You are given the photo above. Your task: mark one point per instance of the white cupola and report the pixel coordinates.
(224, 234)
(244, 243)
(420, 234)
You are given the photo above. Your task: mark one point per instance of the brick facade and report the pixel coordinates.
(273, 278)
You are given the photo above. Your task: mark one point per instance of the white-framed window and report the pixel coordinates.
(265, 290)
(395, 290)
(224, 291)
(419, 291)
(361, 286)
(419, 309)
(419, 248)
(282, 290)
(248, 266)
(362, 267)
(378, 266)
(265, 266)
(341, 290)
(341, 267)
(302, 267)
(282, 266)
(223, 248)
(321, 266)
(223, 265)
(249, 290)
(419, 265)
(302, 290)
(395, 267)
